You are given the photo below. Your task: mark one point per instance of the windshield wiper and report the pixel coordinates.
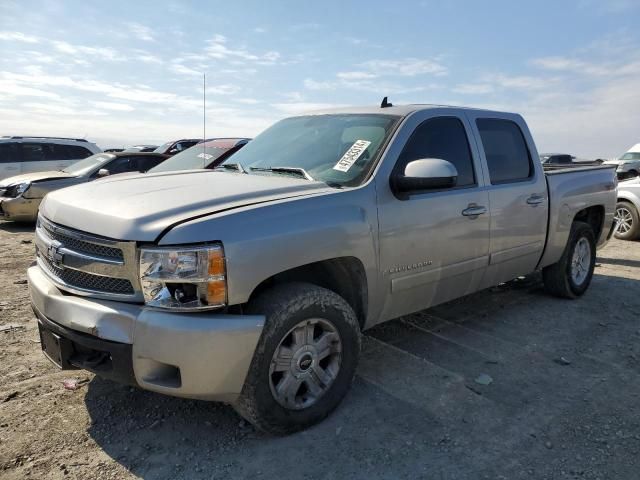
(301, 172)
(232, 166)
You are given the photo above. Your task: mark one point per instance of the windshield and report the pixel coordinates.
(88, 164)
(198, 156)
(163, 148)
(337, 149)
(631, 156)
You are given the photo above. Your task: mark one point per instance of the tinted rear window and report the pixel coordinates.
(8, 153)
(506, 150)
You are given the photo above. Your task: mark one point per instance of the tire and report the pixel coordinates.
(564, 280)
(629, 223)
(295, 314)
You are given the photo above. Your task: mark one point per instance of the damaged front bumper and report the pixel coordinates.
(195, 355)
(19, 209)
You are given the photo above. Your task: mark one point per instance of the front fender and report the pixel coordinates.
(266, 239)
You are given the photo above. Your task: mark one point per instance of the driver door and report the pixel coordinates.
(431, 249)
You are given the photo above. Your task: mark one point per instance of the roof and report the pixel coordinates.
(22, 137)
(397, 110)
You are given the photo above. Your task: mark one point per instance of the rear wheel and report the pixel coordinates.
(628, 223)
(305, 360)
(571, 275)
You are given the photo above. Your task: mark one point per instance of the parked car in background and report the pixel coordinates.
(628, 209)
(20, 196)
(177, 146)
(141, 148)
(208, 154)
(556, 158)
(37, 154)
(565, 159)
(628, 165)
(113, 150)
(251, 283)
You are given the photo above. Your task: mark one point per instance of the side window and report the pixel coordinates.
(9, 153)
(76, 152)
(444, 138)
(505, 148)
(53, 151)
(146, 163)
(32, 152)
(122, 165)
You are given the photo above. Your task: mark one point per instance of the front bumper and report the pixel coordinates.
(19, 209)
(194, 355)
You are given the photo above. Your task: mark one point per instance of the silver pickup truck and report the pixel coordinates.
(251, 283)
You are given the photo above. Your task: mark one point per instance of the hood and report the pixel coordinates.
(141, 207)
(34, 177)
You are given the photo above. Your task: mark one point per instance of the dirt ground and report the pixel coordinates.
(508, 383)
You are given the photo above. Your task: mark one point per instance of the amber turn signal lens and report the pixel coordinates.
(216, 263)
(216, 292)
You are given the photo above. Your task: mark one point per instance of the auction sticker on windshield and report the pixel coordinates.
(206, 156)
(351, 156)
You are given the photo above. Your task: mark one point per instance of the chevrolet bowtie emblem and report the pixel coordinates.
(54, 255)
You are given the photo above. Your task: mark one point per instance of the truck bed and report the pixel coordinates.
(573, 189)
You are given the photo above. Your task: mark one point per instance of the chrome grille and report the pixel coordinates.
(88, 265)
(87, 281)
(81, 245)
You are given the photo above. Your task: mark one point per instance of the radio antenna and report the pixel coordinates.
(204, 118)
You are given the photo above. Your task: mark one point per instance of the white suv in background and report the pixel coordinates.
(38, 154)
(628, 164)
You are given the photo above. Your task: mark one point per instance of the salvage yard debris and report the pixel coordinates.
(74, 383)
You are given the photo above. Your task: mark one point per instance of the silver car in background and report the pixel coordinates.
(20, 196)
(628, 210)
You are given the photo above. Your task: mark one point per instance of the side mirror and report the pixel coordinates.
(103, 172)
(424, 174)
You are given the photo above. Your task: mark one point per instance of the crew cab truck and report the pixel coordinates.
(251, 283)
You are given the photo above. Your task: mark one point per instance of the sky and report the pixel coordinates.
(123, 72)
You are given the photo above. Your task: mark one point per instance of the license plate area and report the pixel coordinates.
(56, 348)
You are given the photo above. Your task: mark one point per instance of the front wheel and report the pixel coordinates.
(305, 360)
(627, 218)
(571, 275)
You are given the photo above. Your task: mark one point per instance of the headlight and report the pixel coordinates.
(190, 278)
(17, 189)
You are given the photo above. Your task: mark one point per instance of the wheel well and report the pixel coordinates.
(344, 276)
(594, 216)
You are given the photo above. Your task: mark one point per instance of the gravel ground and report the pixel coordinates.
(507, 383)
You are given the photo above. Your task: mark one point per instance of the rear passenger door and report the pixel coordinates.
(10, 164)
(517, 196)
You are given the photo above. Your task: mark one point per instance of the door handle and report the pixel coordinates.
(473, 210)
(534, 200)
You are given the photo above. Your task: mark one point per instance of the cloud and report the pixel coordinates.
(226, 89)
(118, 107)
(301, 107)
(473, 89)
(141, 32)
(18, 37)
(218, 48)
(182, 70)
(260, 30)
(104, 53)
(355, 75)
(408, 67)
(247, 101)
